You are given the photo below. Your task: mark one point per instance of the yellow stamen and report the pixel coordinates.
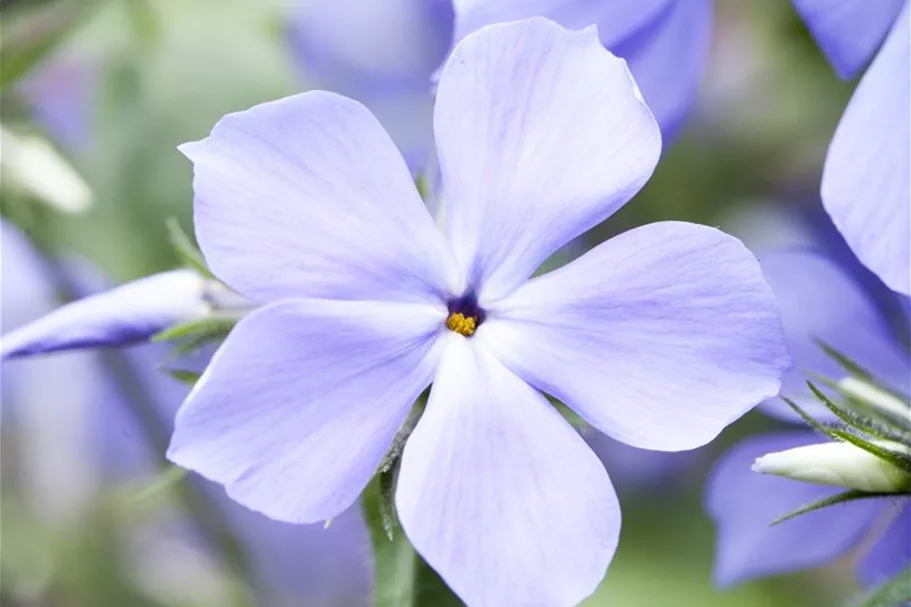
(461, 325)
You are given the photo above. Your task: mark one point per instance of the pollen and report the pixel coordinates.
(460, 324)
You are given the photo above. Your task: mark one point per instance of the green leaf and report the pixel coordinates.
(188, 252)
(832, 500)
(893, 593)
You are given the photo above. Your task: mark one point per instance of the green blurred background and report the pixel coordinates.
(151, 74)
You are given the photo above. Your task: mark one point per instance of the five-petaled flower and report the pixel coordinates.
(659, 337)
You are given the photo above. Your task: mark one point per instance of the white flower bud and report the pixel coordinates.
(129, 313)
(35, 166)
(840, 464)
(875, 397)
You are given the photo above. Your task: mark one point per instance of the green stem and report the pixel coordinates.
(402, 578)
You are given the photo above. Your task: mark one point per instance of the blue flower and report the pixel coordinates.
(817, 300)
(665, 42)
(866, 184)
(659, 337)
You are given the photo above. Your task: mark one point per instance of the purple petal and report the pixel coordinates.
(743, 504)
(669, 60)
(382, 46)
(659, 337)
(541, 135)
(640, 469)
(62, 96)
(499, 494)
(617, 20)
(818, 301)
(381, 53)
(891, 554)
(307, 196)
(129, 313)
(866, 187)
(302, 401)
(848, 31)
(300, 565)
(24, 281)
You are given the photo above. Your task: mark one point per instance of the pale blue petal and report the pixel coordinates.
(302, 401)
(371, 48)
(302, 565)
(848, 31)
(541, 135)
(659, 337)
(819, 301)
(307, 196)
(499, 494)
(126, 314)
(617, 20)
(383, 54)
(743, 504)
(24, 280)
(866, 183)
(668, 61)
(891, 554)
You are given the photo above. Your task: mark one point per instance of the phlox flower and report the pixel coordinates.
(818, 300)
(659, 337)
(866, 182)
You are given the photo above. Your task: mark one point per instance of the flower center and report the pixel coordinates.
(465, 315)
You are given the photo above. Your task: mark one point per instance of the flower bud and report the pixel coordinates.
(840, 464)
(33, 165)
(129, 313)
(875, 397)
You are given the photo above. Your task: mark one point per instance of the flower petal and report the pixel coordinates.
(669, 60)
(126, 314)
(541, 134)
(499, 494)
(308, 197)
(848, 31)
(866, 186)
(302, 401)
(659, 337)
(743, 504)
(366, 48)
(616, 20)
(818, 301)
(891, 554)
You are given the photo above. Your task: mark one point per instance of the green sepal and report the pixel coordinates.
(845, 362)
(196, 333)
(851, 419)
(184, 376)
(833, 500)
(189, 253)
